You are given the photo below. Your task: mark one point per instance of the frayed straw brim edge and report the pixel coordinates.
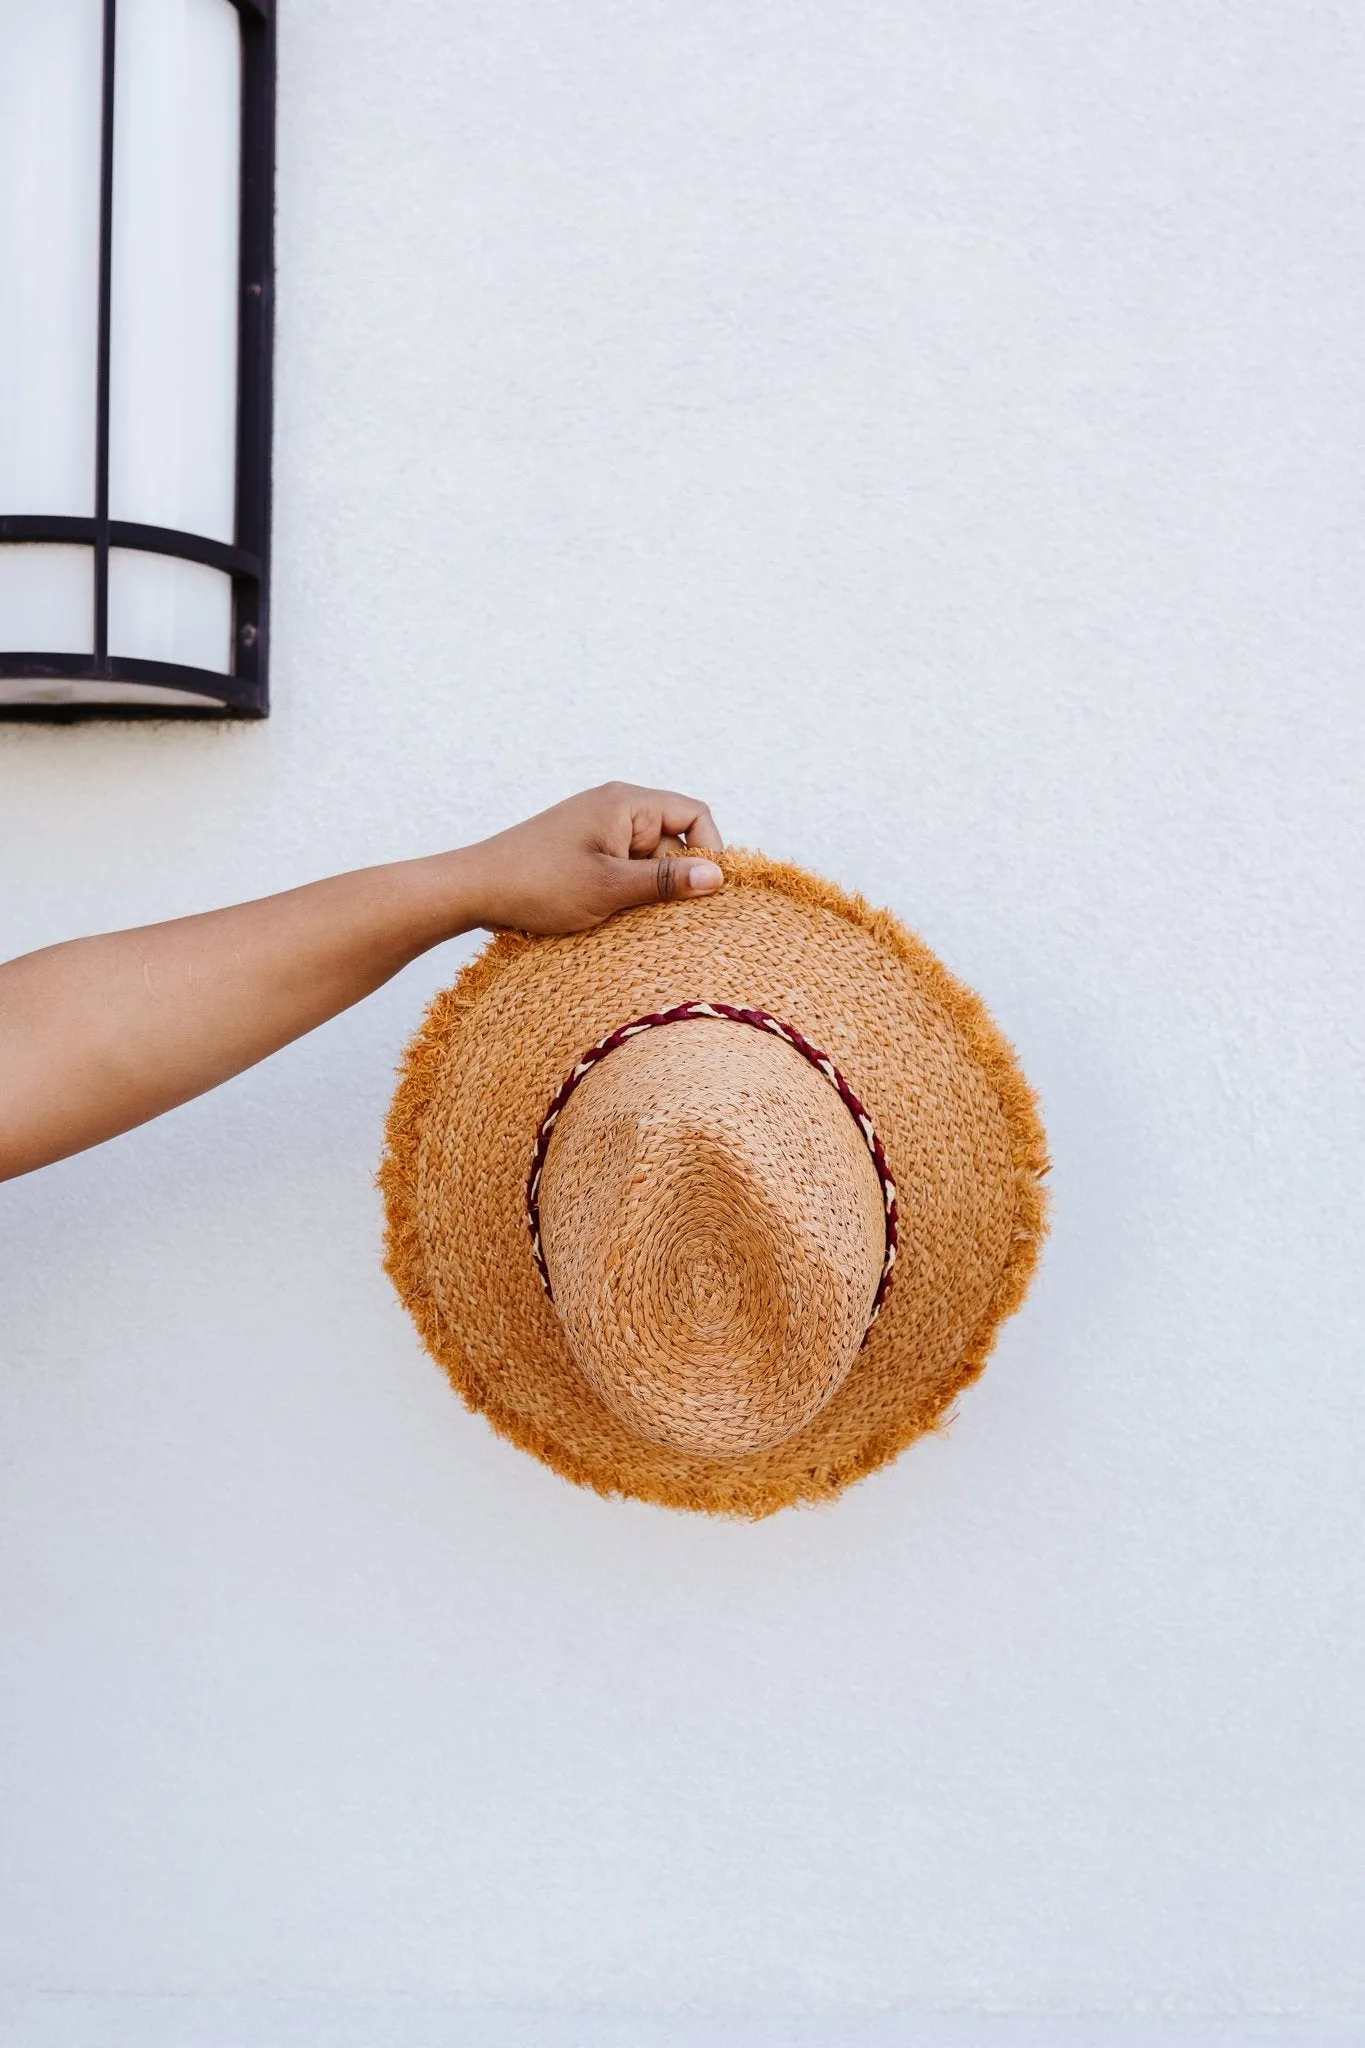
(419, 1086)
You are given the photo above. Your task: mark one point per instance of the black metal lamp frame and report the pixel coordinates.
(244, 693)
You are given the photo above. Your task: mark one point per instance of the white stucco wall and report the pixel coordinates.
(931, 432)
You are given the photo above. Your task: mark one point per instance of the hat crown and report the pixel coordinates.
(714, 1230)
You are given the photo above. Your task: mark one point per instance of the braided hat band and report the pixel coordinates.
(760, 1020)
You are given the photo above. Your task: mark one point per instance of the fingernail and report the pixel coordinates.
(702, 877)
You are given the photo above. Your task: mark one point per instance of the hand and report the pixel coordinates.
(570, 867)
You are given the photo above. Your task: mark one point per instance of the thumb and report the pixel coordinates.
(672, 879)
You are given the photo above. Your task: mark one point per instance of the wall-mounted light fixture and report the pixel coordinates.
(136, 289)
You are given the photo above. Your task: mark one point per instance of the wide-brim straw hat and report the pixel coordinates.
(720, 1204)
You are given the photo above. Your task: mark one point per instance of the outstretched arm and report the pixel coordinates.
(100, 1034)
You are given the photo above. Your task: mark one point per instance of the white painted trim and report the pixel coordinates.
(78, 2020)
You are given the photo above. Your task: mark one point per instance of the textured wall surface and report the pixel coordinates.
(932, 433)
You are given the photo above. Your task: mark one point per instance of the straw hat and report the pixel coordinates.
(720, 1204)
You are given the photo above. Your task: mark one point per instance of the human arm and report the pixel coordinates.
(100, 1034)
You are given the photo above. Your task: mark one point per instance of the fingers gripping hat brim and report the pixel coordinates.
(958, 1120)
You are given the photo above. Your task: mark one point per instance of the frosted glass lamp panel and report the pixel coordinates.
(162, 609)
(50, 72)
(47, 599)
(173, 340)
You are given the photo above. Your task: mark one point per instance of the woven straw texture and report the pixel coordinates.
(692, 1247)
(714, 1230)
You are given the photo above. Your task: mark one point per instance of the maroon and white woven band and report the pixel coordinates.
(761, 1021)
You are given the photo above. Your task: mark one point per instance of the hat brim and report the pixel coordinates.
(959, 1122)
